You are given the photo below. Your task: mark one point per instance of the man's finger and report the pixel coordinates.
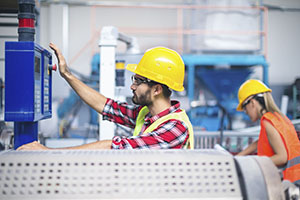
(57, 52)
(55, 49)
(53, 46)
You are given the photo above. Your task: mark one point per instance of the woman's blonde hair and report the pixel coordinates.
(270, 104)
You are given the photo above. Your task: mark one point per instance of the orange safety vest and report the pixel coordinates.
(291, 170)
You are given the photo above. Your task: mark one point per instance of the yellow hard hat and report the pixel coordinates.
(249, 88)
(161, 65)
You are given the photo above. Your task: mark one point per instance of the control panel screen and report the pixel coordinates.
(37, 84)
(37, 63)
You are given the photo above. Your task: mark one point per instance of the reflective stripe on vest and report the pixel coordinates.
(291, 163)
(291, 170)
(182, 116)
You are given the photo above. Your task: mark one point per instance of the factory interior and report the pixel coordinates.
(222, 43)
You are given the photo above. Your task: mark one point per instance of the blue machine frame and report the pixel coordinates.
(216, 60)
(221, 82)
(28, 88)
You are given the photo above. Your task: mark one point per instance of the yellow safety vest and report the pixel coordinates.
(179, 116)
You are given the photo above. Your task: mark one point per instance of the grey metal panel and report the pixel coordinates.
(252, 178)
(271, 176)
(114, 174)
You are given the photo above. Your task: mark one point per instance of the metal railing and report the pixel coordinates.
(234, 140)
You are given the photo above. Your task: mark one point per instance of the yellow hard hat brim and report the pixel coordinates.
(239, 107)
(131, 67)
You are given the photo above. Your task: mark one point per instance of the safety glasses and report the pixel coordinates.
(247, 102)
(138, 81)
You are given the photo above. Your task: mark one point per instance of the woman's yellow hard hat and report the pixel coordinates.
(161, 65)
(249, 88)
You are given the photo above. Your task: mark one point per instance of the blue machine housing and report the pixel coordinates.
(28, 81)
(223, 83)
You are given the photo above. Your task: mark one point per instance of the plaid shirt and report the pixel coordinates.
(170, 134)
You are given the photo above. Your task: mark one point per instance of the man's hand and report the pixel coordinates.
(32, 146)
(63, 68)
(89, 95)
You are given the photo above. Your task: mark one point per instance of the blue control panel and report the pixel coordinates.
(28, 82)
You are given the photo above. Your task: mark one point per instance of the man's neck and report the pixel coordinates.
(159, 106)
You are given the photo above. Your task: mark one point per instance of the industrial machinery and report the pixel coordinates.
(223, 83)
(227, 55)
(28, 79)
(130, 174)
(222, 75)
(28, 88)
(112, 174)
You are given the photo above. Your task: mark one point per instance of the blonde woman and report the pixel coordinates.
(278, 138)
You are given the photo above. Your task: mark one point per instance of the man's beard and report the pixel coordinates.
(143, 99)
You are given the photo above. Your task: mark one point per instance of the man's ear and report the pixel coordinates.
(157, 89)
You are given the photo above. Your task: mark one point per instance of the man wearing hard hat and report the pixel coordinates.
(158, 122)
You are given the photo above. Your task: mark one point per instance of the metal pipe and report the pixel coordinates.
(180, 29)
(140, 5)
(266, 14)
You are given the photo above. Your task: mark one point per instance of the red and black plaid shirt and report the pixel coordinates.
(172, 134)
